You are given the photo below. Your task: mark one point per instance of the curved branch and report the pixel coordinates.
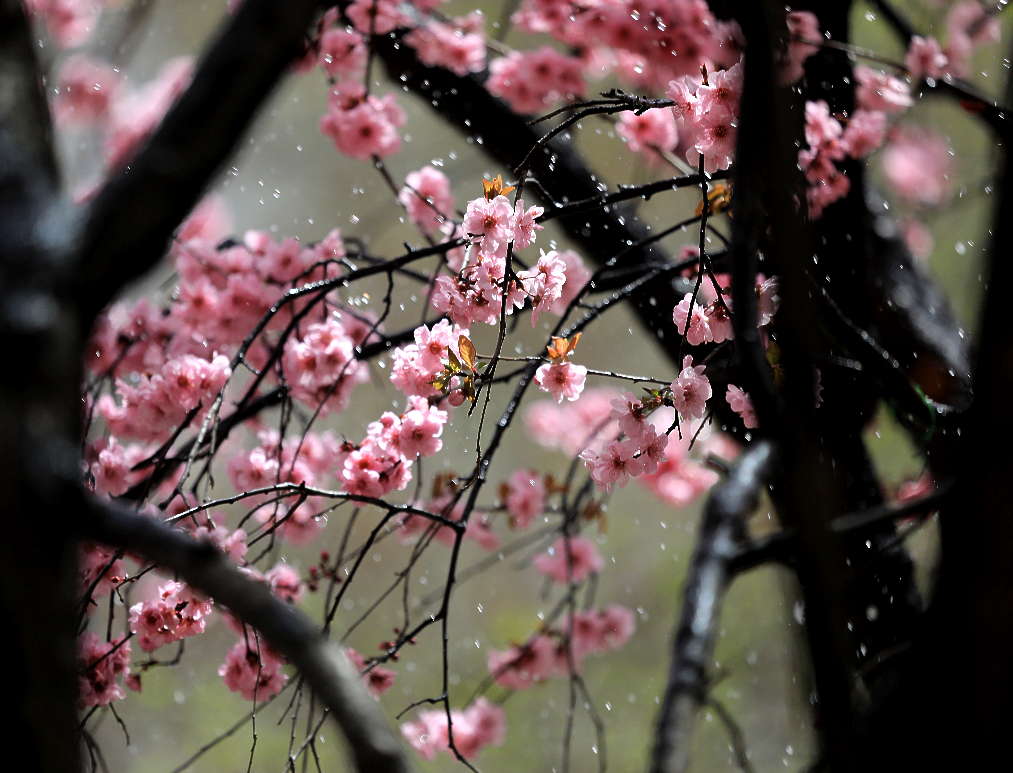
(128, 227)
(721, 533)
(372, 743)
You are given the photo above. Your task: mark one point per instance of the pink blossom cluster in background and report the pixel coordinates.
(479, 725)
(561, 650)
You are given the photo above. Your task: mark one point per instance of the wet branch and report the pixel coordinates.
(372, 743)
(718, 542)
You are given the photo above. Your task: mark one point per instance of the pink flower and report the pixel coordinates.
(865, 133)
(719, 320)
(918, 165)
(342, 52)
(715, 140)
(86, 88)
(524, 497)
(698, 330)
(484, 724)
(561, 379)
(481, 724)
(679, 480)
(925, 58)
(570, 560)
(803, 26)
(544, 283)
(174, 614)
(524, 224)
(420, 432)
(376, 679)
(252, 670)
(738, 400)
(479, 530)
(652, 450)
(615, 465)
(691, 390)
(493, 220)
(427, 198)
(362, 126)
(632, 417)
(285, 582)
(968, 26)
(648, 133)
(376, 17)
(577, 276)
(530, 81)
(522, 666)
(102, 666)
(458, 45)
(617, 626)
(722, 91)
(879, 91)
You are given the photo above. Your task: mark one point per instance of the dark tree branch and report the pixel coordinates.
(128, 227)
(373, 745)
(26, 134)
(809, 491)
(783, 546)
(965, 704)
(39, 398)
(563, 175)
(721, 533)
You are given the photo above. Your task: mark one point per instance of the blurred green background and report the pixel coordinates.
(288, 178)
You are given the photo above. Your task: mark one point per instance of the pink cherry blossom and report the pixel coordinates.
(918, 165)
(427, 197)
(525, 497)
(879, 91)
(522, 666)
(285, 582)
(691, 390)
(698, 330)
(252, 670)
(925, 58)
(561, 380)
(570, 560)
(102, 666)
(458, 45)
(739, 401)
(524, 224)
(615, 465)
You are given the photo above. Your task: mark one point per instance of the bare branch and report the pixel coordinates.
(721, 533)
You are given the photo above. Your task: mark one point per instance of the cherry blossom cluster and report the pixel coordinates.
(360, 124)
(531, 81)
(478, 529)
(968, 25)
(916, 164)
(253, 670)
(175, 613)
(104, 666)
(476, 294)
(309, 460)
(645, 44)
(706, 113)
(92, 93)
(560, 651)
(479, 725)
(457, 44)
(705, 317)
(382, 461)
